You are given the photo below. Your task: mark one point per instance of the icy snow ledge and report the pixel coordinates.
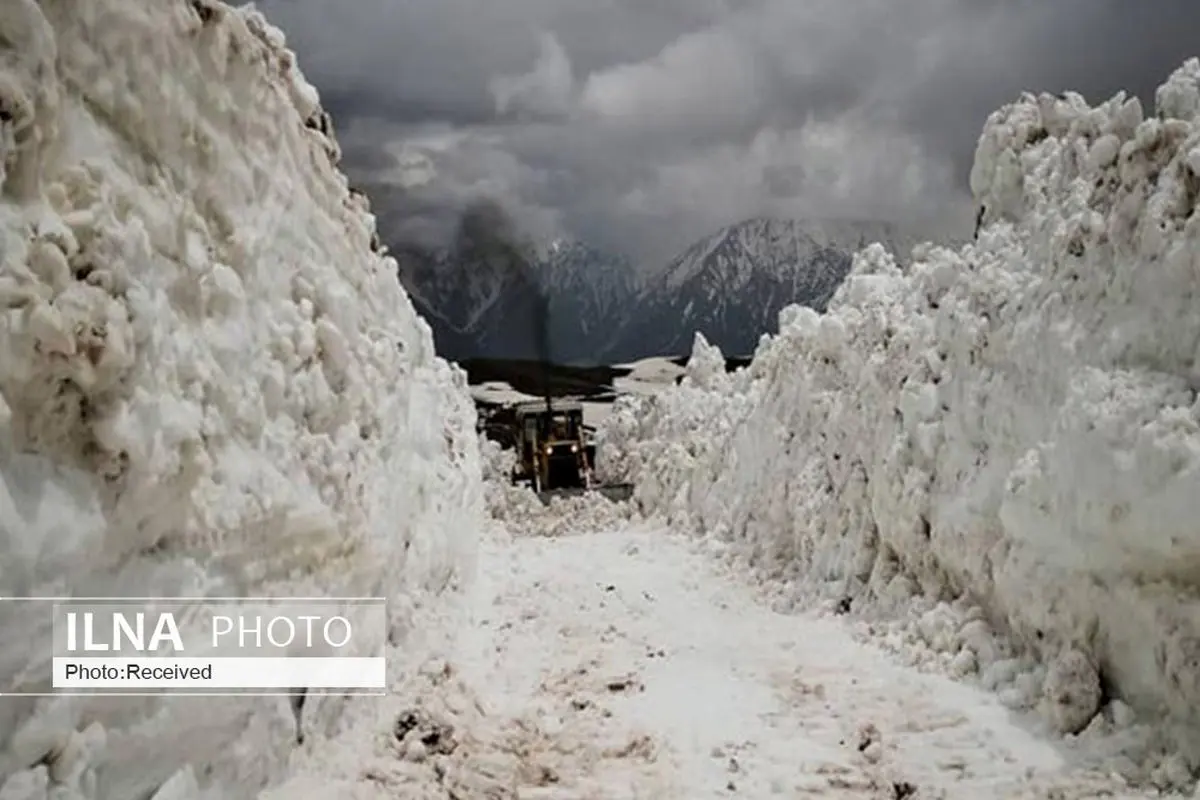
(1017, 420)
(212, 382)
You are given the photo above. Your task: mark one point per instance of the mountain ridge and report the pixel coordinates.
(729, 285)
(732, 284)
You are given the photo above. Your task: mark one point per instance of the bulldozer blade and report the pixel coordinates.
(618, 492)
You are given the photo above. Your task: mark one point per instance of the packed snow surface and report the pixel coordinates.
(1004, 438)
(212, 383)
(626, 665)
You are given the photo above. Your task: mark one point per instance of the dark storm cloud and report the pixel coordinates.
(643, 124)
(1094, 47)
(362, 102)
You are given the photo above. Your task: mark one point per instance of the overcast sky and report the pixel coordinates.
(641, 125)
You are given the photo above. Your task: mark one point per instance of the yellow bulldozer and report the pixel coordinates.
(555, 452)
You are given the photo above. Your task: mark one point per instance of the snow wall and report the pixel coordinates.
(212, 382)
(1011, 428)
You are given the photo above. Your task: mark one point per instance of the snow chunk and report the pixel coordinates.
(521, 513)
(1071, 692)
(706, 366)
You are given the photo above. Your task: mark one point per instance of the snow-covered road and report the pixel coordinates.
(647, 674)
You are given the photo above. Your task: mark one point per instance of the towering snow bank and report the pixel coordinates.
(212, 382)
(1016, 421)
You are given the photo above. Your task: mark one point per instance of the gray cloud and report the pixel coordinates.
(641, 125)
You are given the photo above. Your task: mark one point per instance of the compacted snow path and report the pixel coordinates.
(647, 674)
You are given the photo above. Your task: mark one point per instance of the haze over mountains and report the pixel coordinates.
(482, 302)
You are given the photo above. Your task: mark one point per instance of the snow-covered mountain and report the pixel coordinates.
(476, 306)
(493, 304)
(732, 285)
(588, 291)
(729, 286)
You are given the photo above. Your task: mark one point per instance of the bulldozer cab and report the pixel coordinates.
(552, 449)
(564, 427)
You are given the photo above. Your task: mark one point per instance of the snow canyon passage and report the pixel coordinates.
(937, 542)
